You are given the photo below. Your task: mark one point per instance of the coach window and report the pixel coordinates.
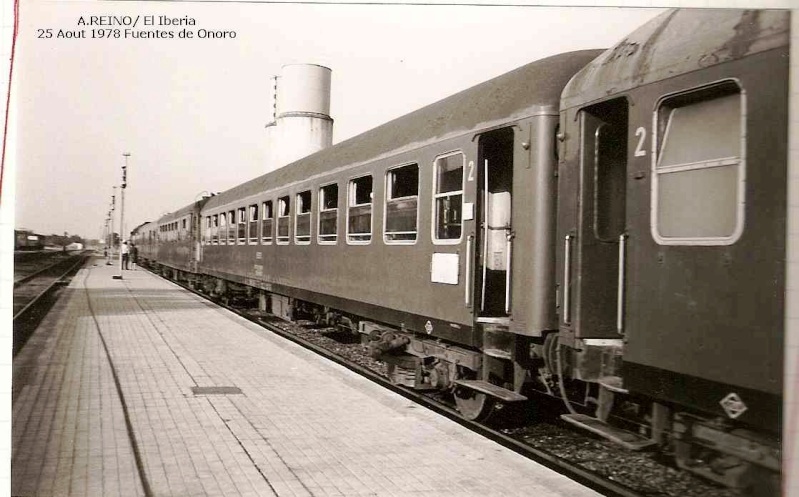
(699, 173)
(402, 204)
(222, 228)
(253, 226)
(231, 227)
(215, 229)
(328, 214)
(207, 236)
(448, 197)
(359, 218)
(302, 226)
(241, 217)
(266, 222)
(283, 219)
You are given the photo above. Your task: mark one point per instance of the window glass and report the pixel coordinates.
(402, 198)
(698, 203)
(328, 213)
(283, 219)
(359, 217)
(253, 226)
(222, 228)
(302, 229)
(242, 224)
(702, 131)
(448, 196)
(266, 222)
(699, 167)
(231, 227)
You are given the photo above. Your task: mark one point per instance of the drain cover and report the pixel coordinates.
(216, 390)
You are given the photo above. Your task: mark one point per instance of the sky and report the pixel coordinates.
(191, 112)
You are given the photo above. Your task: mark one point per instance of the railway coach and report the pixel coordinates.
(604, 227)
(432, 233)
(672, 209)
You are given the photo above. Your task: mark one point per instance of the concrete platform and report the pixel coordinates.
(131, 387)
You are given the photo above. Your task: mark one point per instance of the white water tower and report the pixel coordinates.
(301, 124)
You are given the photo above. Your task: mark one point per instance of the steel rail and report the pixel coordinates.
(28, 277)
(81, 259)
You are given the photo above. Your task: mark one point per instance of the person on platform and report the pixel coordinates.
(125, 255)
(134, 255)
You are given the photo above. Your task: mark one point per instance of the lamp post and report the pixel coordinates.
(122, 237)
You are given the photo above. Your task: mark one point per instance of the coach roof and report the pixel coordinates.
(677, 42)
(529, 90)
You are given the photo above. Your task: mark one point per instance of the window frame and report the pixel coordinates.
(232, 227)
(462, 192)
(215, 229)
(241, 219)
(386, 199)
(223, 229)
(371, 211)
(268, 240)
(287, 239)
(303, 239)
(701, 165)
(320, 210)
(253, 217)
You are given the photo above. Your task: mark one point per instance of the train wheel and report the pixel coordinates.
(472, 405)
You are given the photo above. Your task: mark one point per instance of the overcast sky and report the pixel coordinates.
(192, 112)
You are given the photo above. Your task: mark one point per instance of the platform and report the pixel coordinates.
(212, 404)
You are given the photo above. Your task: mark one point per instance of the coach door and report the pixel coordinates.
(602, 230)
(494, 240)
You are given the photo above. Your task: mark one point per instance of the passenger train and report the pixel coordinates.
(607, 227)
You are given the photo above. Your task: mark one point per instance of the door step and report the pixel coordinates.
(485, 387)
(501, 320)
(625, 438)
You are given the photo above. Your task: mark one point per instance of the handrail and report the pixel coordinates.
(620, 296)
(567, 280)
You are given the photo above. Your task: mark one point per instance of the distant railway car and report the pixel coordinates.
(177, 241)
(28, 240)
(672, 232)
(145, 238)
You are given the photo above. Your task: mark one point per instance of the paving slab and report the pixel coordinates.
(137, 387)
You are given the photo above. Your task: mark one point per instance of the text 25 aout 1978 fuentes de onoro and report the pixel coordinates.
(135, 27)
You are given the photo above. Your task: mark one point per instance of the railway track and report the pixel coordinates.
(34, 287)
(584, 463)
(562, 466)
